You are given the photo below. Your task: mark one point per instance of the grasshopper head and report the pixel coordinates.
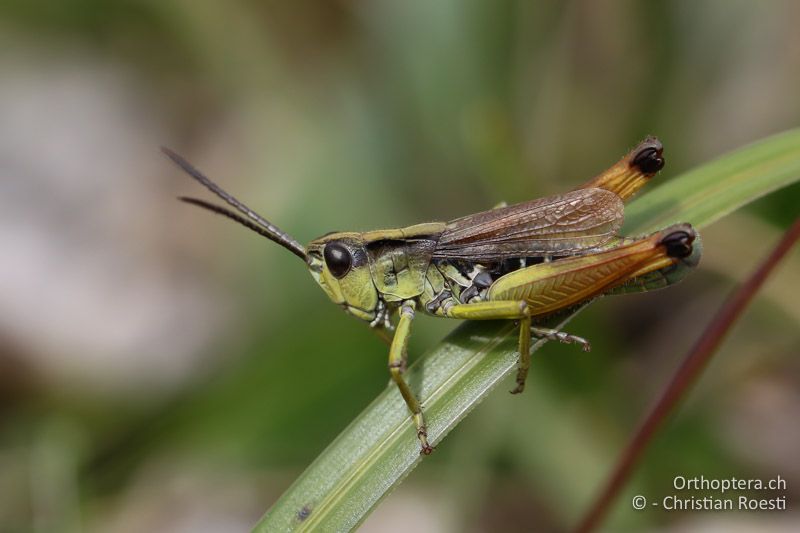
(338, 262)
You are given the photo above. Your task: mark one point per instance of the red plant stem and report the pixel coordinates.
(688, 372)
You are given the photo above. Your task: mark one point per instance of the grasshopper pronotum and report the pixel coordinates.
(520, 262)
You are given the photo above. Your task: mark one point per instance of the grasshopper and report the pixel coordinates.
(521, 262)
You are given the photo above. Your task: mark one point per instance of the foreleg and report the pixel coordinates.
(398, 357)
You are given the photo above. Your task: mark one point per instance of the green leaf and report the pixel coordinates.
(379, 448)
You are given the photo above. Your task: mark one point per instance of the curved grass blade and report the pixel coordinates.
(379, 448)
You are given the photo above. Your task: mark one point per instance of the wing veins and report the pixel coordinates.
(584, 219)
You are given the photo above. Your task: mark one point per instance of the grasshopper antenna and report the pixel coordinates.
(251, 220)
(238, 218)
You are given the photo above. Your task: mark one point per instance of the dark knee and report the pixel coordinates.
(396, 370)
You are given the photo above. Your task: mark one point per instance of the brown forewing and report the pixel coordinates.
(562, 224)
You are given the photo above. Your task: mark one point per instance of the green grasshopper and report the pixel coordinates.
(521, 262)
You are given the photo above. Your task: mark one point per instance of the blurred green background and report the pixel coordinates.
(164, 370)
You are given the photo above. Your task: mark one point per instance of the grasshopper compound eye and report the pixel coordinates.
(338, 258)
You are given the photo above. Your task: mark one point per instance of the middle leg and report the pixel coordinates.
(503, 310)
(524, 354)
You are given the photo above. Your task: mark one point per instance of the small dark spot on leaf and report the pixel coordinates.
(303, 513)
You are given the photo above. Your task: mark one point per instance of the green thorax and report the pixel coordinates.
(399, 259)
